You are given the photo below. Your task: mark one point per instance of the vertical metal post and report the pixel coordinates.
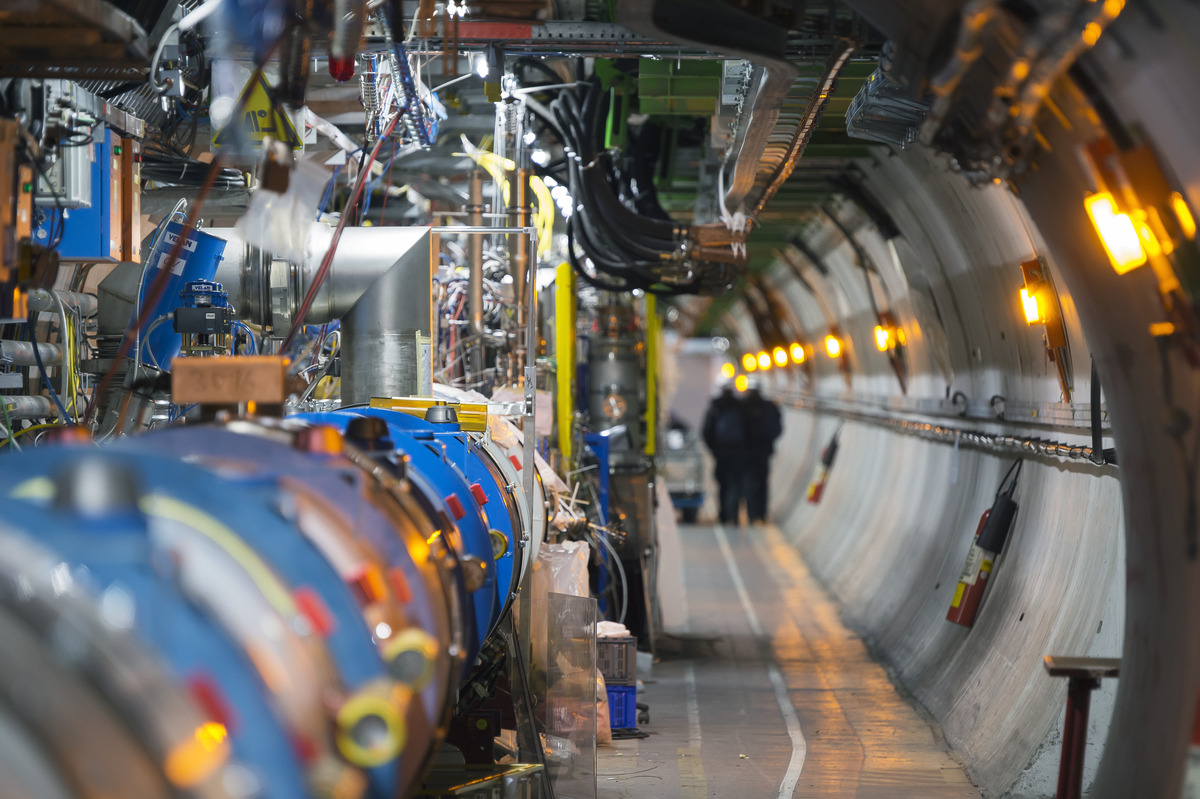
(1070, 768)
(475, 281)
(529, 432)
(1084, 675)
(521, 254)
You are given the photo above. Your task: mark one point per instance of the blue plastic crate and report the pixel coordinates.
(622, 706)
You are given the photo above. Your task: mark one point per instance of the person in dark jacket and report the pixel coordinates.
(725, 436)
(764, 425)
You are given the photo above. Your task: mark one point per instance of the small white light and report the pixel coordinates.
(481, 66)
(117, 608)
(538, 156)
(60, 579)
(383, 631)
(530, 137)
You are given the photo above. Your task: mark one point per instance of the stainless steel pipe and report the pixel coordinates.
(44, 300)
(20, 353)
(29, 406)
(475, 280)
(519, 247)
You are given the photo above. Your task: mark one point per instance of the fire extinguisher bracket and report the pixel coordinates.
(995, 530)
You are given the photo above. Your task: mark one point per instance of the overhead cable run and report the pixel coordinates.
(786, 162)
(611, 245)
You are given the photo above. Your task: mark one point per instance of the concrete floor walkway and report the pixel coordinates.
(766, 693)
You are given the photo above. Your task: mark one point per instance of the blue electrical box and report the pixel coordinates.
(90, 234)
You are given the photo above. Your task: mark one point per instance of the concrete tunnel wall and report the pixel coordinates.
(890, 536)
(1099, 561)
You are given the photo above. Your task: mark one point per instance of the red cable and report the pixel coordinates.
(387, 189)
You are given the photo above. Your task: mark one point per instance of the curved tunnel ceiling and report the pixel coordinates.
(1102, 559)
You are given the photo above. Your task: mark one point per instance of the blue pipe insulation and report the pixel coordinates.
(319, 610)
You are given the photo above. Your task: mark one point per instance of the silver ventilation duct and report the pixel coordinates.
(380, 286)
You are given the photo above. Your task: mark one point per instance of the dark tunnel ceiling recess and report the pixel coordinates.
(689, 174)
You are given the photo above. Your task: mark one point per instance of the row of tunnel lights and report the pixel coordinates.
(886, 338)
(1126, 242)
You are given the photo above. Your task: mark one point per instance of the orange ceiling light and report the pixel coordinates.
(1032, 308)
(749, 363)
(780, 356)
(1187, 222)
(797, 353)
(833, 346)
(764, 360)
(1117, 232)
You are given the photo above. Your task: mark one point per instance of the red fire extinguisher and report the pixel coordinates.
(817, 488)
(989, 540)
(1191, 777)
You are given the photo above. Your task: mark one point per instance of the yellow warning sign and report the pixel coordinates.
(259, 118)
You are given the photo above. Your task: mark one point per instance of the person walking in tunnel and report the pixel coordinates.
(725, 436)
(764, 425)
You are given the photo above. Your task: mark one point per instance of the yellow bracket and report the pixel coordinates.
(472, 416)
(564, 348)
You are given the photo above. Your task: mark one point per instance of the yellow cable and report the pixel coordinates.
(275, 592)
(32, 428)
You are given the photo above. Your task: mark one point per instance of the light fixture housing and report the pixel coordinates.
(1117, 231)
(833, 346)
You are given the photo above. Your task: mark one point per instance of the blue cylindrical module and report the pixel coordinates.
(197, 260)
(447, 495)
(297, 581)
(488, 489)
(384, 599)
(117, 548)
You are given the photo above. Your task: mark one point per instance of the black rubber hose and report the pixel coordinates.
(653, 233)
(538, 64)
(598, 236)
(568, 124)
(604, 256)
(594, 282)
(546, 116)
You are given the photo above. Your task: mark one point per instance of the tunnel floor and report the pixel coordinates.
(739, 714)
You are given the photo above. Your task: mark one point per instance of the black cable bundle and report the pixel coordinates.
(186, 172)
(627, 249)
